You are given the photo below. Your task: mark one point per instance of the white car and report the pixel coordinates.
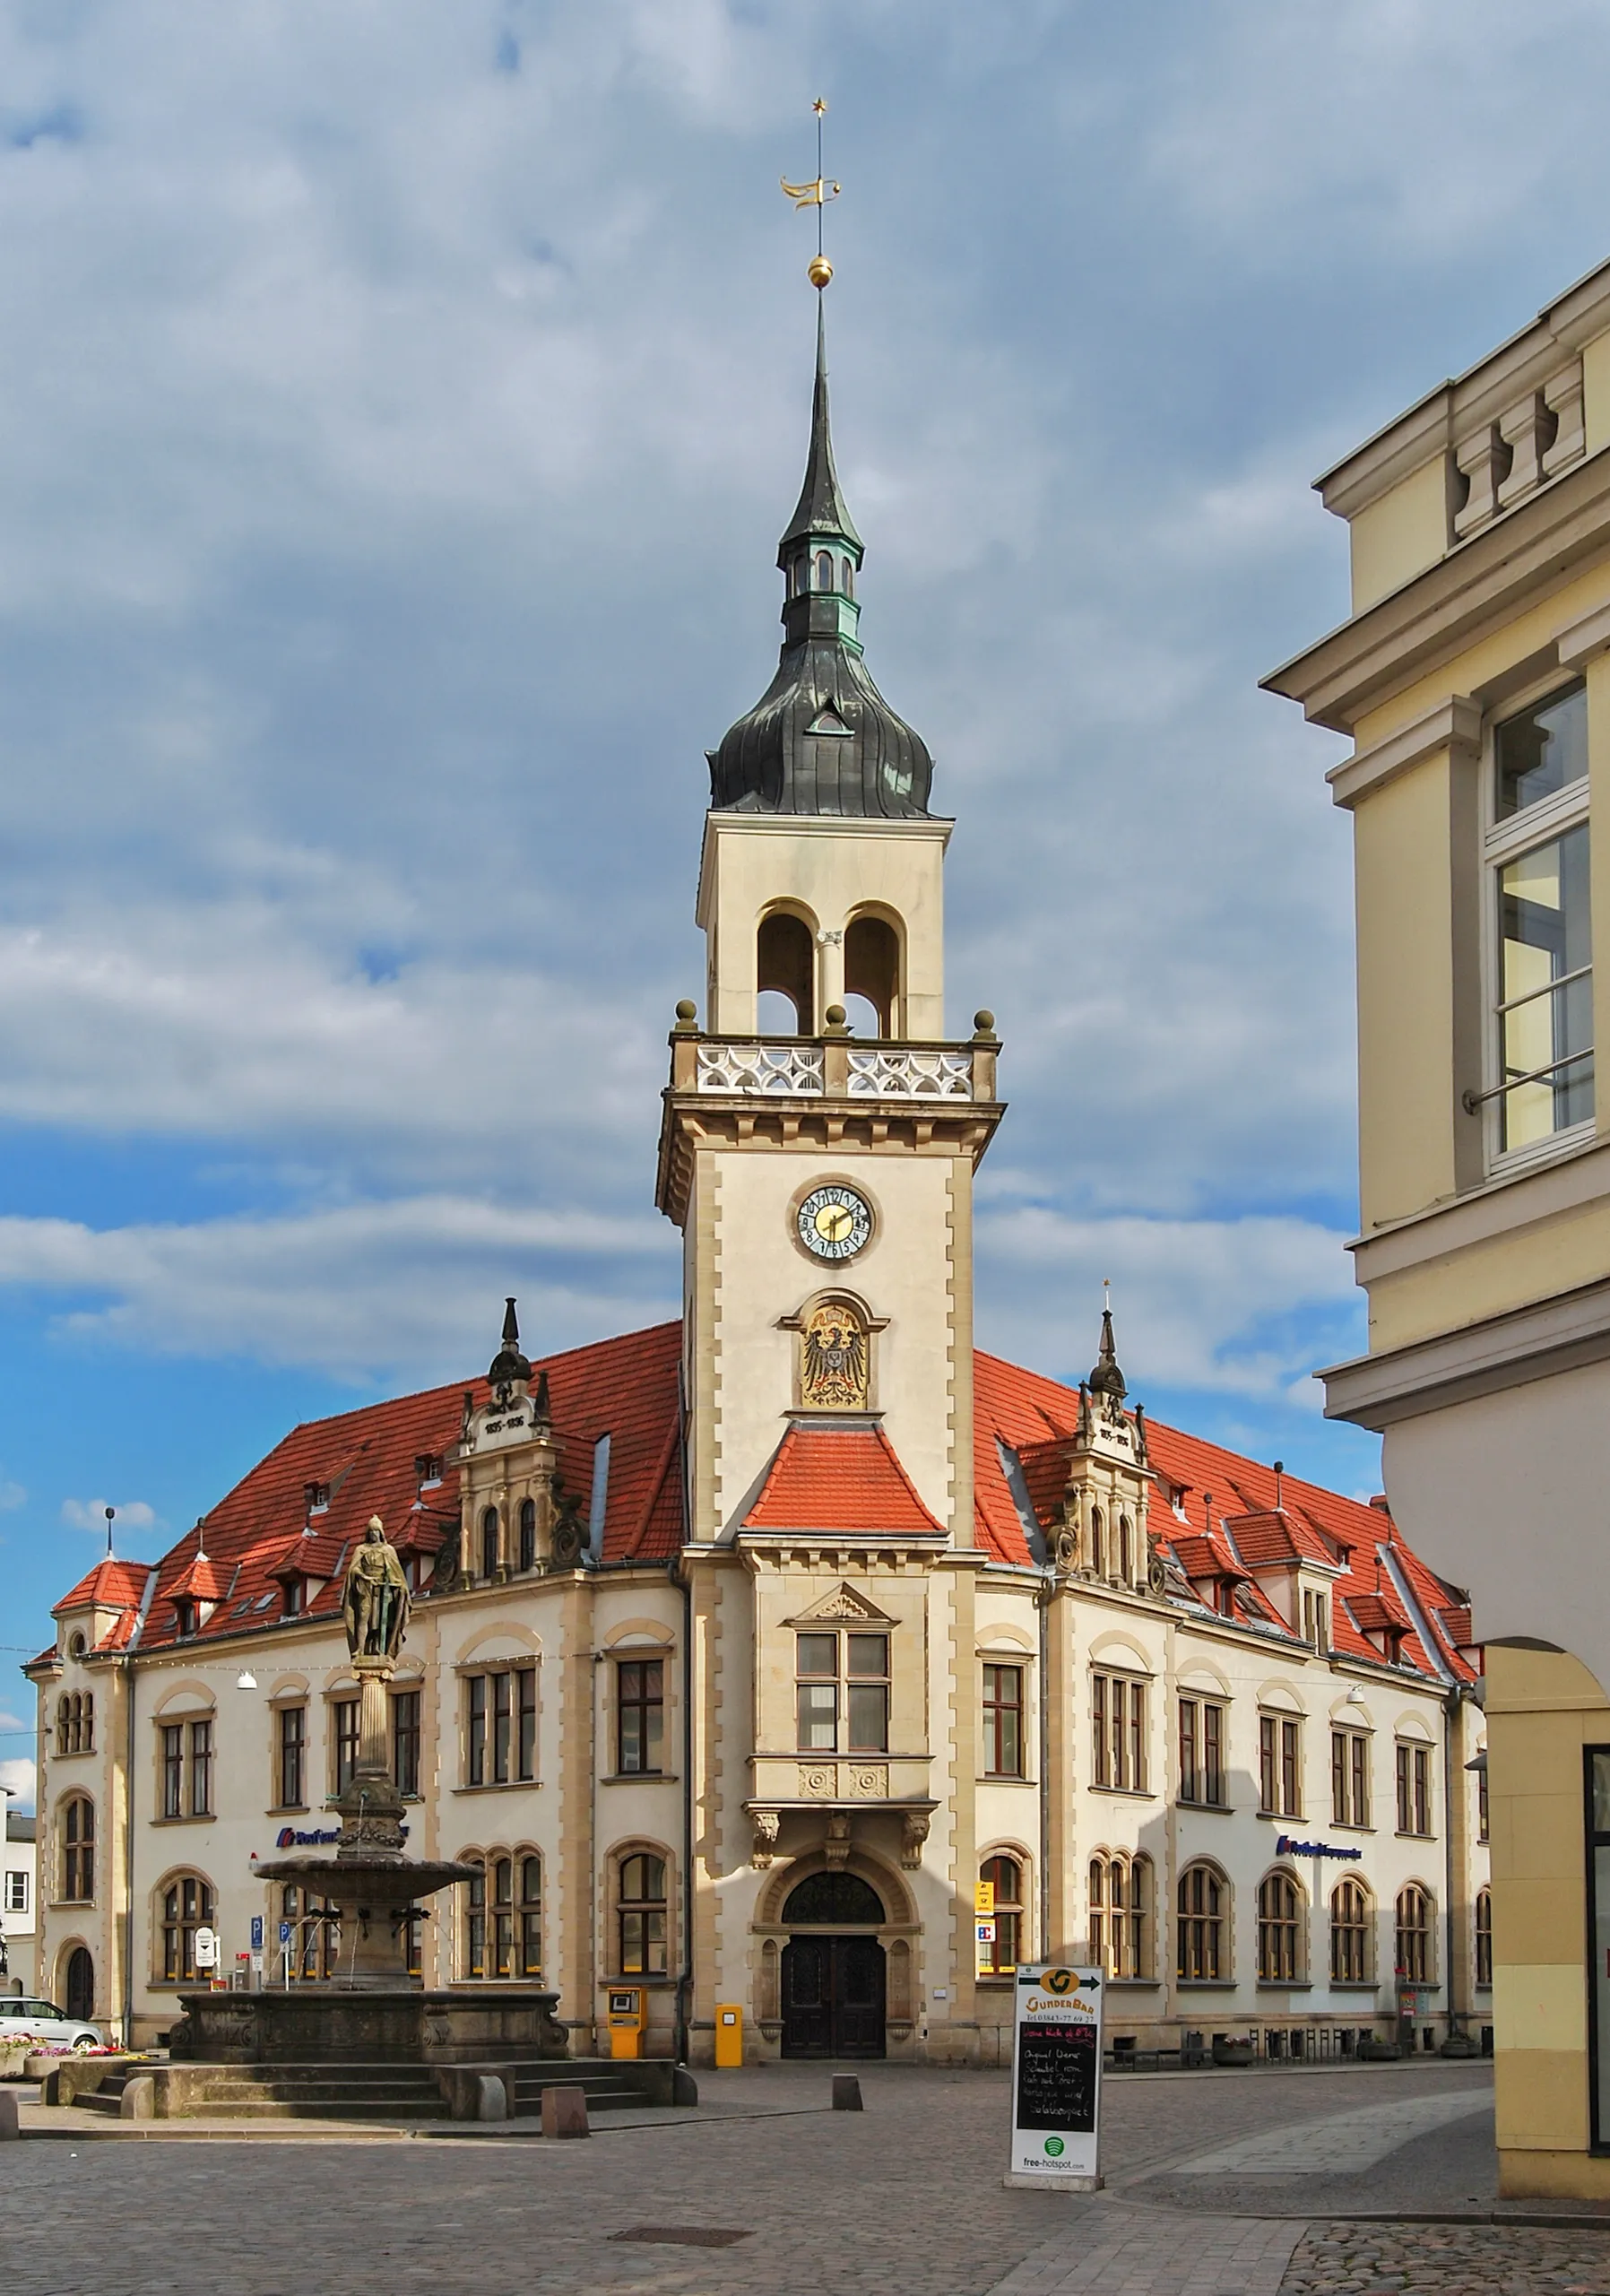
(43, 2021)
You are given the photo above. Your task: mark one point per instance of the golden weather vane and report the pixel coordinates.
(816, 195)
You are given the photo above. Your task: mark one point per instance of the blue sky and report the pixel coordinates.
(401, 407)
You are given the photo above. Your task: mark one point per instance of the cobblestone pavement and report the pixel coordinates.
(904, 2199)
(1448, 2260)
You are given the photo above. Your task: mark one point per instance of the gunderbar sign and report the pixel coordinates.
(1056, 2077)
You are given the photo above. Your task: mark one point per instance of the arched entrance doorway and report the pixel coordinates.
(79, 1984)
(833, 1977)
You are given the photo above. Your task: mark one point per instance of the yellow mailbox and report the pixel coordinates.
(729, 2033)
(629, 2014)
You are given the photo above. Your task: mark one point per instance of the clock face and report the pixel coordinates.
(833, 1222)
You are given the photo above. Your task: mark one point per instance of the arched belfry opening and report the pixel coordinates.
(785, 969)
(873, 976)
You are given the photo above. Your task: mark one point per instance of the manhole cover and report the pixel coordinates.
(683, 2236)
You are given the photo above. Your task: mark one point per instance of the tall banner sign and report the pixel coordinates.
(1057, 2078)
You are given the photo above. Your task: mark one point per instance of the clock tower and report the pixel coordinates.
(820, 1132)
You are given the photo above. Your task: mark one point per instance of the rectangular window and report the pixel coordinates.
(1543, 978)
(1003, 1722)
(293, 1747)
(1279, 1766)
(842, 1693)
(640, 1716)
(1350, 1777)
(1414, 1788)
(17, 1891)
(1481, 1801)
(406, 1741)
(345, 1742)
(173, 1770)
(1118, 1719)
(501, 1715)
(1202, 1751)
(1316, 1620)
(201, 1769)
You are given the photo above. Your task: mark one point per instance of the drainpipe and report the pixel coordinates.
(680, 1578)
(1454, 1986)
(128, 1854)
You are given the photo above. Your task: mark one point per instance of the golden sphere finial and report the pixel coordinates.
(819, 271)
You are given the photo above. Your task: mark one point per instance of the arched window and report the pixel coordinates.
(528, 1534)
(872, 976)
(831, 1900)
(1098, 1544)
(1352, 1934)
(1121, 1914)
(1126, 1553)
(188, 1905)
(847, 578)
(1484, 1936)
(785, 969)
(64, 1724)
(86, 1740)
(824, 569)
(1003, 1956)
(314, 1946)
(1279, 1930)
(506, 1916)
(530, 1915)
(1413, 1935)
(489, 1544)
(1203, 1956)
(78, 1850)
(475, 1919)
(643, 1915)
(76, 1646)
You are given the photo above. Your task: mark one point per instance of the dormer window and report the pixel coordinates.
(295, 1598)
(1316, 1620)
(427, 1470)
(184, 1617)
(315, 1498)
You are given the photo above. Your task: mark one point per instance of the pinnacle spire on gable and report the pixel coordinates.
(508, 1365)
(1106, 1378)
(821, 508)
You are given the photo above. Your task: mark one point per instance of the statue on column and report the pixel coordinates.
(376, 1601)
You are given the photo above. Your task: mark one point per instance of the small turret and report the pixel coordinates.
(508, 1368)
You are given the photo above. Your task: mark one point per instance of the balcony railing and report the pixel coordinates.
(795, 1069)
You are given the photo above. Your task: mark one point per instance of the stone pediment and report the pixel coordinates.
(843, 1605)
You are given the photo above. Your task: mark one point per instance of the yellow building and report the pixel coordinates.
(1473, 675)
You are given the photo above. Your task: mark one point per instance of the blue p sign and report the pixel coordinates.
(285, 1933)
(256, 1933)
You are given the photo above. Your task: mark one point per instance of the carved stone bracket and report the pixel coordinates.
(913, 1833)
(766, 1824)
(836, 1849)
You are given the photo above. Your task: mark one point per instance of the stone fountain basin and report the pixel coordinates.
(366, 1878)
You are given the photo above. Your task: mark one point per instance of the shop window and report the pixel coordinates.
(643, 1915)
(1352, 1934)
(1202, 1942)
(1279, 1930)
(1413, 1935)
(1002, 1954)
(189, 1904)
(639, 1716)
(1121, 1914)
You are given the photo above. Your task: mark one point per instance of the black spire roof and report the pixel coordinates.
(1106, 1378)
(821, 738)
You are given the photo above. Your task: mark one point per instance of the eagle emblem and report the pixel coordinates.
(833, 1374)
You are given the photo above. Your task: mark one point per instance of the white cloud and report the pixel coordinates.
(89, 1515)
(19, 1776)
(11, 1496)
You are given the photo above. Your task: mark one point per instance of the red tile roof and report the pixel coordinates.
(833, 1479)
(839, 1480)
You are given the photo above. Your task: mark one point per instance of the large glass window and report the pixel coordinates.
(1280, 1765)
(501, 1727)
(1121, 1914)
(1545, 991)
(1414, 1788)
(1352, 1934)
(1350, 1778)
(293, 1756)
(78, 1850)
(1004, 1876)
(201, 1767)
(1413, 1935)
(1202, 1958)
(345, 1740)
(173, 1770)
(187, 1906)
(406, 1741)
(1279, 1930)
(643, 1915)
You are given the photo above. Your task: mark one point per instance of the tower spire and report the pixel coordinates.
(821, 509)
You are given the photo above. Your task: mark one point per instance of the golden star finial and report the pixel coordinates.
(816, 195)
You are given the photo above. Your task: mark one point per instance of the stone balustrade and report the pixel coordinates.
(1507, 455)
(836, 1066)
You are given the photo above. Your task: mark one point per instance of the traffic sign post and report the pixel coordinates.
(1057, 2078)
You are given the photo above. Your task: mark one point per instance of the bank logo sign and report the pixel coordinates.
(1056, 2074)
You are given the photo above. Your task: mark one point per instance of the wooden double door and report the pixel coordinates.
(833, 1996)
